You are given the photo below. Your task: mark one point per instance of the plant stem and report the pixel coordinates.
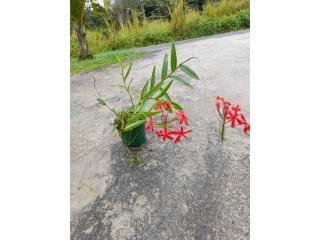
(94, 84)
(222, 131)
(128, 91)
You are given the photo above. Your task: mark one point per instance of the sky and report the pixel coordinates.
(100, 2)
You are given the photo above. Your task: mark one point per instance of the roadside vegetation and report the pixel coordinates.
(125, 24)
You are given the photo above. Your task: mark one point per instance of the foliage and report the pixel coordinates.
(210, 26)
(225, 8)
(102, 60)
(157, 9)
(77, 10)
(178, 19)
(192, 16)
(159, 31)
(135, 115)
(94, 19)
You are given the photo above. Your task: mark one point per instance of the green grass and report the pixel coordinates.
(102, 60)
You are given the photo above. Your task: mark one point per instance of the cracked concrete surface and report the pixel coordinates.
(196, 190)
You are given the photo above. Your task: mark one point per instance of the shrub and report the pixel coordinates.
(211, 26)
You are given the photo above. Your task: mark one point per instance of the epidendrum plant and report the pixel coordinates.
(162, 105)
(230, 114)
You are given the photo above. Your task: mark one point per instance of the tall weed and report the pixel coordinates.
(178, 19)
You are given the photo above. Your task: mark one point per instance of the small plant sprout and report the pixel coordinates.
(230, 114)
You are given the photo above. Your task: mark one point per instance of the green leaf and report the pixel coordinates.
(142, 114)
(164, 67)
(152, 107)
(176, 106)
(153, 77)
(134, 125)
(181, 81)
(143, 92)
(153, 90)
(118, 59)
(142, 105)
(189, 71)
(128, 71)
(149, 114)
(165, 89)
(100, 101)
(130, 83)
(173, 57)
(166, 95)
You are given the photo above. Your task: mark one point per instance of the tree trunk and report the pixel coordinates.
(169, 12)
(83, 45)
(142, 9)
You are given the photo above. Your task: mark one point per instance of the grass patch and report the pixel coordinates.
(102, 60)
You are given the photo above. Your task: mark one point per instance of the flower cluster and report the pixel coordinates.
(172, 123)
(230, 114)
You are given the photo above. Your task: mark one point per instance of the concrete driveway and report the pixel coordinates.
(196, 190)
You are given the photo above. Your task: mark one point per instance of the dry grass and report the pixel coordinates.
(178, 19)
(225, 8)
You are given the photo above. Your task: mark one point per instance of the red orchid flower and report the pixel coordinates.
(147, 127)
(182, 133)
(233, 115)
(243, 120)
(182, 117)
(163, 105)
(226, 104)
(159, 133)
(159, 106)
(167, 104)
(177, 140)
(246, 129)
(166, 134)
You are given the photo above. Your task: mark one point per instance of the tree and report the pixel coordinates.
(95, 16)
(77, 17)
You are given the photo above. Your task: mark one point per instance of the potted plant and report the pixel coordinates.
(133, 121)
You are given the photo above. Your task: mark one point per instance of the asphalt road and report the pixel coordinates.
(196, 190)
